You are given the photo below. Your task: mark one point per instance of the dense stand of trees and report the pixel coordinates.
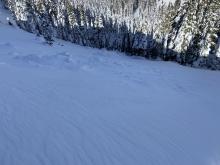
(195, 33)
(186, 31)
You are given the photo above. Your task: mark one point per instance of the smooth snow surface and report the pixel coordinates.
(71, 105)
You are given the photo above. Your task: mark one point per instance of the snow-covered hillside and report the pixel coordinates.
(71, 105)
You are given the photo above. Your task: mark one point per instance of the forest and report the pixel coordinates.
(185, 31)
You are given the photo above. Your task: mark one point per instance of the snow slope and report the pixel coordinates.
(71, 105)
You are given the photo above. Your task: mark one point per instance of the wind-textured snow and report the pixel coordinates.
(71, 105)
